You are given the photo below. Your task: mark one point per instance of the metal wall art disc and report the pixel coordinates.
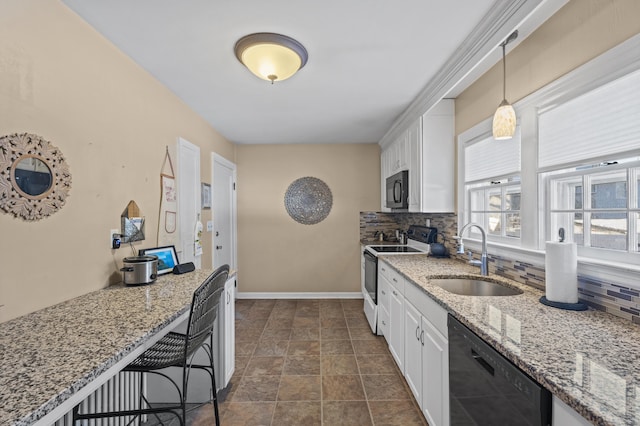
(308, 200)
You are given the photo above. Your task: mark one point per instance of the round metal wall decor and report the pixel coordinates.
(34, 177)
(308, 200)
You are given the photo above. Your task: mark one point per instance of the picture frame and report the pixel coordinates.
(205, 194)
(167, 257)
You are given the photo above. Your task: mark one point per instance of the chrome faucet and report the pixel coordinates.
(482, 263)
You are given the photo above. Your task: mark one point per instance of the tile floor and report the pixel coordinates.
(311, 362)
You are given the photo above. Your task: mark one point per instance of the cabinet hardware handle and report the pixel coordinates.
(384, 323)
(218, 247)
(383, 292)
(417, 333)
(394, 280)
(394, 293)
(422, 337)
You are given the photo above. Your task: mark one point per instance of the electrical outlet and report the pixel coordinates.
(111, 233)
(209, 226)
(428, 222)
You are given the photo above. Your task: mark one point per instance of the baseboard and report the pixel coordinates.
(305, 295)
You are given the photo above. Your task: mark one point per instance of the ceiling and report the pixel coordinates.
(368, 59)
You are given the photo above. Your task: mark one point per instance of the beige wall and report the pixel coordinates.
(577, 33)
(277, 254)
(112, 121)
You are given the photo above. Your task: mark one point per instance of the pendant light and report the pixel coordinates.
(270, 56)
(504, 120)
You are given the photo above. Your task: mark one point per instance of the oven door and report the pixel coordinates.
(371, 276)
(371, 290)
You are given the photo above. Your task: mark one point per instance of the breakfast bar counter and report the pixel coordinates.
(51, 359)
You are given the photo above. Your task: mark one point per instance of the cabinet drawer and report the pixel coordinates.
(429, 309)
(383, 321)
(393, 277)
(383, 292)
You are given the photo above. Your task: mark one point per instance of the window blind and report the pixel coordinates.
(489, 158)
(600, 123)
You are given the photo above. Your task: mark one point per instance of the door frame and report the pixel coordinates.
(187, 225)
(217, 158)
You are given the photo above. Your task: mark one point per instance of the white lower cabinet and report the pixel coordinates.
(435, 375)
(427, 366)
(396, 326)
(562, 414)
(228, 332)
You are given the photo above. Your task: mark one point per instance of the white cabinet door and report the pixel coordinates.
(413, 350)
(414, 155)
(229, 331)
(402, 148)
(385, 172)
(435, 370)
(438, 157)
(396, 326)
(562, 414)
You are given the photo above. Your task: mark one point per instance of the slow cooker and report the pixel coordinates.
(139, 270)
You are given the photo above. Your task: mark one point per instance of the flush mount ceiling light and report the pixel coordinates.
(504, 120)
(272, 57)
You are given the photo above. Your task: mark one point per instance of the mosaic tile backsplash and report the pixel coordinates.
(615, 299)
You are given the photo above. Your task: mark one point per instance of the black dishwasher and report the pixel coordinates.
(485, 388)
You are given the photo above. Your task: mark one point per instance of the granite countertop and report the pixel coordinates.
(49, 355)
(589, 359)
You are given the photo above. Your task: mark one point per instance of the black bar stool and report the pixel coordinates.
(176, 350)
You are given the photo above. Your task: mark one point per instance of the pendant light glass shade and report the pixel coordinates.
(271, 57)
(504, 119)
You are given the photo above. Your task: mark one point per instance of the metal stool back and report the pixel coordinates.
(177, 349)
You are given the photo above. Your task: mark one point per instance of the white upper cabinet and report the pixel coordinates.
(438, 159)
(426, 150)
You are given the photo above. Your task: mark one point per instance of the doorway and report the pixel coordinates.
(224, 241)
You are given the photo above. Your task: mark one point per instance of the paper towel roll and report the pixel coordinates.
(561, 270)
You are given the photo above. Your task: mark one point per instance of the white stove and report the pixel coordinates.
(418, 240)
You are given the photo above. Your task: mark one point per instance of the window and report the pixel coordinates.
(606, 215)
(492, 187)
(592, 197)
(496, 206)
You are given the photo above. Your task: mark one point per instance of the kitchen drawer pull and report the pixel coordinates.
(384, 323)
(383, 293)
(383, 270)
(394, 280)
(422, 337)
(417, 333)
(394, 292)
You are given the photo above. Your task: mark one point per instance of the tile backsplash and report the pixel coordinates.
(615, 299)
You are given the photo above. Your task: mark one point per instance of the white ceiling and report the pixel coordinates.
(368, 59)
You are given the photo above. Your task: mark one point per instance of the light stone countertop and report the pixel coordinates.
(589, 359)
(49, 355)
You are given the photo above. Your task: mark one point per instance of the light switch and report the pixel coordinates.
(209, 226)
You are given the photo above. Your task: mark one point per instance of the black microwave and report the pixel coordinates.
(398, 190)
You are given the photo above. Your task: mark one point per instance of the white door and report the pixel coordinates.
(223, 206)
(188, 199)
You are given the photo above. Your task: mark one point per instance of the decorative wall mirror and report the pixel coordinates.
(34, 177)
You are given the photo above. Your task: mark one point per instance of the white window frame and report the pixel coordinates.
(611, 65)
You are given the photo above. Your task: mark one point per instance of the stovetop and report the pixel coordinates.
(419, 238)
(395, 249)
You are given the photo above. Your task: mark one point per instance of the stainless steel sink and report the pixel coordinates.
(475, 287)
